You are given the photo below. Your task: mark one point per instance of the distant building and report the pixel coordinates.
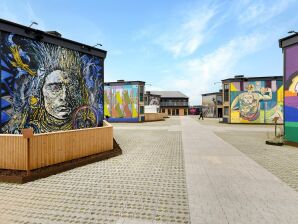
(289, 47)
(252, 99)
(195, 110)
(212, 104)
(152, 102)
(172, 103)
(124, 101)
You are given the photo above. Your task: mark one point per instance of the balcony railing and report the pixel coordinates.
(174, 104)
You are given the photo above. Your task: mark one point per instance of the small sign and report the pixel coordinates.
(27, 133)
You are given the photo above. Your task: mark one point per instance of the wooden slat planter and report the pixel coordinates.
(19, 153)
(154, 117)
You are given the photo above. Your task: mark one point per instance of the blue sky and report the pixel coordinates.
(171, 44)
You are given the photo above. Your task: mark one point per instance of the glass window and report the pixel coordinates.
(226, 111)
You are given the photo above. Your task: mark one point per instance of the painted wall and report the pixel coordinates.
(121, 103)
(194, 111)
(48, 87)
(256, 102)
(153, 100)
(209, 105)
(291, 93)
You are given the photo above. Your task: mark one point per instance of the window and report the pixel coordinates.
(226, 92)
(163, 110)
(226, 111)
(141, 93)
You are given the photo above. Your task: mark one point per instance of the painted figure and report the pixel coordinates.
(53, 89)
(291, 84)
(249, 102)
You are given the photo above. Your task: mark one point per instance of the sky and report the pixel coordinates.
(189, 46)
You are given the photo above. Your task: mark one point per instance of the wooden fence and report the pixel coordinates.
(46, 149)
(154, 116)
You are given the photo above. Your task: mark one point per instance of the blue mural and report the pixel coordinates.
(48, 87)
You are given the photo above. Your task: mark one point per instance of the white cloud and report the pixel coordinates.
(199, 75)
(258, 12)
(190, 32)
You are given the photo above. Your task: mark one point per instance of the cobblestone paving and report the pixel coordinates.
(146, 183)
(281, 161)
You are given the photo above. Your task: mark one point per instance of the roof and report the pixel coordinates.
(214, 93)
(122, 82)
(289, 40)
(40, 35)
(169, 94)
(149, 93)
(253, 78)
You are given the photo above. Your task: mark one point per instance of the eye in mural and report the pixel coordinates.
(121, 102)
(259, 103)
(47, 87)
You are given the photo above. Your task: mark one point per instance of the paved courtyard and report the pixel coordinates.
(173, 171)
(144, 185)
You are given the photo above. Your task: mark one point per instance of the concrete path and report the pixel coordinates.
(225, 186)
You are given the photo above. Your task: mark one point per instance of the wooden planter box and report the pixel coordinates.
(154, 117)
(19, 153)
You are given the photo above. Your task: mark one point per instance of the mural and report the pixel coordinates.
(209, 105)
(48, 87)
(256, 101)
(194, 110)
(291, 93)
(121, 103)
(153, 100)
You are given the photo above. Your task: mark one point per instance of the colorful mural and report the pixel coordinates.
(194, 110)
(291, 93)
(256, 101)
(47, 87)
(121, 103)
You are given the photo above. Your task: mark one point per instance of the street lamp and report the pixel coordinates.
(33, 23)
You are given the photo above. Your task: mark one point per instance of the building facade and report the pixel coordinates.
(253, 99)
(172, 103)
(289, 46)
(124, 101)
(212, 104)
(48, 83)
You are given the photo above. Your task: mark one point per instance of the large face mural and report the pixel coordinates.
(48, 87)
(256, 102)
(291, 93)
(121, 102)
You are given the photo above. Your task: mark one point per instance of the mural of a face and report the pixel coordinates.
(56, 94)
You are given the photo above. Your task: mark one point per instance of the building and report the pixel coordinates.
(289, 47)
(195, 110)
(172, 103)
(212, 104)
(124, 101)
(152, 102)
(252, 99)
(48, 83)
